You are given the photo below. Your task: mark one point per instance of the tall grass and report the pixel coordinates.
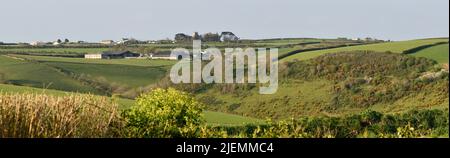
(44, 116)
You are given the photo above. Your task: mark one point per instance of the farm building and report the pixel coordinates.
(107, 42)
(112, 55)
(165, 56)
(228, 36)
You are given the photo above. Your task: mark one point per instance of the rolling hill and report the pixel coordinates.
(395, 47)
(336, 84)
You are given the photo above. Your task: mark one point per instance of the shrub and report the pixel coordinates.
(164, 113)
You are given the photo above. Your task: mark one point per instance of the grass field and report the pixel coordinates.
(56, 50)
(19, 72)
(337, 85)
(131, 73)
(440, 53)
(212, 118)
(132, 76)
(396, 47)
(131, 62)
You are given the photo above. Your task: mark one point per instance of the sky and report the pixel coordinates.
(95, 20)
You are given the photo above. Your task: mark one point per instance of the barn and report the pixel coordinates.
(112, 55)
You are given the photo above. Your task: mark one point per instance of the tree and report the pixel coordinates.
(59, 41)
(66, 40)
(165, 113)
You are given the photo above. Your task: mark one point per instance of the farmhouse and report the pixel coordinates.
(165, 56)
(107, 42)
(228, 36)
(38, 43)
(112, 55)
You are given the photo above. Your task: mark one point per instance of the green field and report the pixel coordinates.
(20, 72)
(130, 62)
(396, 47)
(56, 50)
(45, 72)
(212, 118)
(337, 85)
(440, 53)
(307, 87)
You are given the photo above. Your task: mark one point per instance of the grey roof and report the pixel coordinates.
(116, 52)
(161, 55)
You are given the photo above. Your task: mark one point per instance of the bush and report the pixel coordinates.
(164, 113)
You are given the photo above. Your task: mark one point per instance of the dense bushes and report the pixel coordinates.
(425, 123)
(164, 113)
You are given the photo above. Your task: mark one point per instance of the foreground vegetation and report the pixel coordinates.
(211, 117)
(340, 92)
(172, 114)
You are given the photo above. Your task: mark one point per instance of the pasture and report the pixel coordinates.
(440, 53)
(395, 47)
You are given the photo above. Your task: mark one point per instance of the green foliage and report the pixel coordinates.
(413, 124)
(166, 114)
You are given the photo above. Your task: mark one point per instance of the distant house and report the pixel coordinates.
(38, 43)
(107, 42)
(165, 56)
(228, 36)
(112, 55)
(181, 37)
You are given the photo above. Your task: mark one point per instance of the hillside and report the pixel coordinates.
(395, 47)
(335, 85)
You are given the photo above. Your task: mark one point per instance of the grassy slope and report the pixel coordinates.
(213, 118)
(440, 53)
(37, 75)
(127, 72)
(133, 76)
(314, 96)
(131, 62)
(396, 47)
(57, 50)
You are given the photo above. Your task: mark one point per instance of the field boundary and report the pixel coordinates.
(419, 48)
(316, 49)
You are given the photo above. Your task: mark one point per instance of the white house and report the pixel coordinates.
(38, 43)
(93, 56)
(107, 42)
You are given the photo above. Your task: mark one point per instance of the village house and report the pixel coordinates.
(112, 55)
(165, 56)
(228, 36)
(38, 43)
(107, 42)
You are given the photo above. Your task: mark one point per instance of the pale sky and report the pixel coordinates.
(94, 20)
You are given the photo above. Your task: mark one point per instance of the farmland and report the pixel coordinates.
(212, 118)
(439, 53)
(339, 81)
(395, 47)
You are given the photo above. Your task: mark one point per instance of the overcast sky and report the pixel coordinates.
(94, 20)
